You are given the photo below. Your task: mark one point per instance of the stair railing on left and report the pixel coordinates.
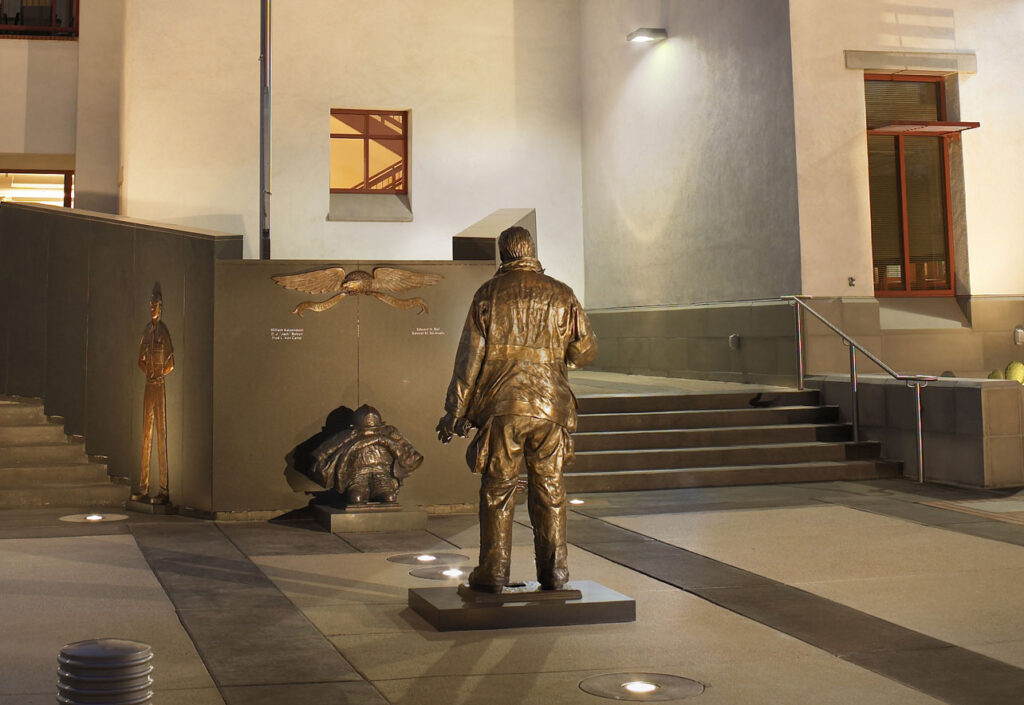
(916, 382)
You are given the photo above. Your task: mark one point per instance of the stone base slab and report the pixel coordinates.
(134, 505)
(445, 610)
(366, 520)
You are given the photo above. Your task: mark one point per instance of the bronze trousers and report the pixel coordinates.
(154, 418)
(542, 445)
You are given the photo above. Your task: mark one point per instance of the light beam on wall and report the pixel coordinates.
(647, 34)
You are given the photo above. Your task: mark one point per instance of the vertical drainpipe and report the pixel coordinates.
(265, 129)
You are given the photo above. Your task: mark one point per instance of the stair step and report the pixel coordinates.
(65, 494)
(32, 435)
(649, 420)
(784, 453)
(617, 403)
(48, 454)
(15, 413)
(697, 437)
(678, 478)
(46, 475)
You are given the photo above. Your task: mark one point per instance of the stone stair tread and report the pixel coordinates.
(704, 429)
(691, 402)
(751, 409)
(711, 476)
(765, 466)
(737, 447)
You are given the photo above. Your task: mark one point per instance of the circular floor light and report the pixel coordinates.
(641, 687)
(442, 572)
(429, 559)
(576, 501)
(93, 518)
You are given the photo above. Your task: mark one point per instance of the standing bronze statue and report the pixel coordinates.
(523, 331)
(156, 360)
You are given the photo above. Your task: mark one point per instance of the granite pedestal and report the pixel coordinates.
(446, 610)
(370, 518)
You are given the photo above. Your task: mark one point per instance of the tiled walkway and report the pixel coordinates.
(838, 593)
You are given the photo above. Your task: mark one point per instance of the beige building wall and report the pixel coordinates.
(688, 153)
(190, 121)
(831, 145)
(493, 93)
(98, 112)
(37, 96)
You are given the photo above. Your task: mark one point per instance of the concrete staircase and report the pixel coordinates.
(42, 467)
(704, 440)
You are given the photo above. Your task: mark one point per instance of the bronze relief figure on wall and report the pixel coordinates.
(156, 360)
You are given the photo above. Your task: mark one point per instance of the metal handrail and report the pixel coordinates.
(914, 381)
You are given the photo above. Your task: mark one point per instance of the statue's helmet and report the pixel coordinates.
(368, 417)
(516, 243)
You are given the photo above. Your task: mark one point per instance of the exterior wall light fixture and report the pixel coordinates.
(647, 34)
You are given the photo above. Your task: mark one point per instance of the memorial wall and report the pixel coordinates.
(252, 381)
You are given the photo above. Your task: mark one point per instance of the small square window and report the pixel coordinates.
(369, 151)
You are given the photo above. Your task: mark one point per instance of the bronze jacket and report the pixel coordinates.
(523, 330)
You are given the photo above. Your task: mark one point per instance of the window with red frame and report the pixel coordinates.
(908, 162)
(369, 151)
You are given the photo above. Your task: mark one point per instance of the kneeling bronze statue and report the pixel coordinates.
(365, 462)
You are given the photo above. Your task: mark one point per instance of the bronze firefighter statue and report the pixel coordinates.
(365, 462)
(156, 360)
(523, 331)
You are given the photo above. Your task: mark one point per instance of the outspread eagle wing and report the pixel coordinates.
(322, 281)
(395, 281)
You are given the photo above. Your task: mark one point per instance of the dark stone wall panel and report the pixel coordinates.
(272, 394)
(113, 345)
(26, 273)
(194, 372)
(67, 318)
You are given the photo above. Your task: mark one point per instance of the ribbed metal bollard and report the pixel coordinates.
(105, 672)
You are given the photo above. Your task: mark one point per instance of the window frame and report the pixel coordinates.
(946, 138)
(68, 174)
(366, 139)
(50, 31)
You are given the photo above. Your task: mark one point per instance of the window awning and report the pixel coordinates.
(923, 128)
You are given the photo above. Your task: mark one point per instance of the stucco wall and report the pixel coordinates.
(37, 97)
(493, 92)
(688, 153)
(190, 124)
(492, 89)
(98, 123)
(831, 148)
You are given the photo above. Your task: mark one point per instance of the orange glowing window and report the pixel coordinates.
(369, 151)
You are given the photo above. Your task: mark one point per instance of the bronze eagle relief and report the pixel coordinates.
(384, 282)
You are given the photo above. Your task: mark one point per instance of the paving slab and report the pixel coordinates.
(261, 538)
(361, 693)
(60, 590)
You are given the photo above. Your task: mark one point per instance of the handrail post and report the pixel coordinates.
(853, 392)
(920, 432)
(799, 345)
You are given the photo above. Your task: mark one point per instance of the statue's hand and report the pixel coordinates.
(449, 426)
(445, 428)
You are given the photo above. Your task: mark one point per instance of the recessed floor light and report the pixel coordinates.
(641, 687)
(576, 501)
(441, 572)
(445, 559)
(93, 518)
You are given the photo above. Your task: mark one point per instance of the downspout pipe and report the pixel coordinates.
(265, 122)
